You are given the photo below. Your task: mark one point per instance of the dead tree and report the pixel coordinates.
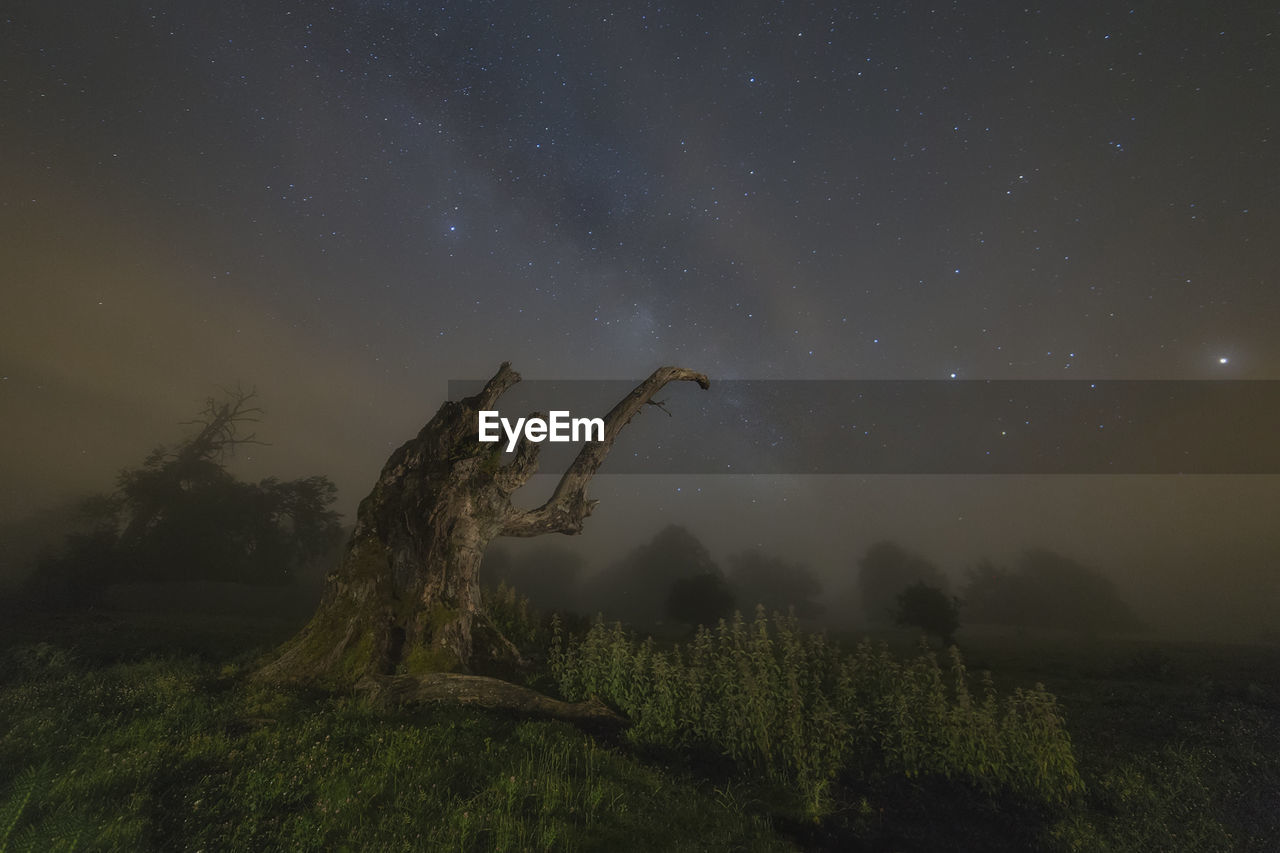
(404, 605)
(169, 471)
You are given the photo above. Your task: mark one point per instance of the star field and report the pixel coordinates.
(349, 204)
(967, 184)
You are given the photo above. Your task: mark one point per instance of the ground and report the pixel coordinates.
(141, 731)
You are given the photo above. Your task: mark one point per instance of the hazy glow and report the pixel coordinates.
(348, 208)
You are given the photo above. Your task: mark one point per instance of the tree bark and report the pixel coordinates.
(405, 600)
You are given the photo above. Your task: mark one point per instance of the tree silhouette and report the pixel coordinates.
(757, 578)
(1045, 589)
(885, 571)
(183, 516)
(929, 609)
(703, 599)
(169, 477)
(635, 588)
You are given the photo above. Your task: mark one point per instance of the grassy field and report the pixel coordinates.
(139, 732)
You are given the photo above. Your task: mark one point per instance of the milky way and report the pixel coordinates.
(348, 205)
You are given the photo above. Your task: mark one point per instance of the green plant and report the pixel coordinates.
(25, 826)
(801, 712)
(169, 754)
(511, 613)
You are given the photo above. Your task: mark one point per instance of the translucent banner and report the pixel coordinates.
(922, 426)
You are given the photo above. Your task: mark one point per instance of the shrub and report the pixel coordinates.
(800, 711)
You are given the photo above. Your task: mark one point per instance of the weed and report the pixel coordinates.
(800, 712)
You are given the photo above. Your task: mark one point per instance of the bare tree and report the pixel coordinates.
(404, 607)
(170, 470)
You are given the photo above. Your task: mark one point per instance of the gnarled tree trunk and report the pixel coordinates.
(405, 601)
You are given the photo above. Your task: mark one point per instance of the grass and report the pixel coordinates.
(178, 753)
(1179, 742)
(141, 733)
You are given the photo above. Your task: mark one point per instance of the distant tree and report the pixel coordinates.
(992, 595)
(1045, 589)
(75, 575)
(929, 609)
(756, 578)
(636, 588)
(172, 479)
(885, 571)
(39, 534)
(703, 599)
(182, 515)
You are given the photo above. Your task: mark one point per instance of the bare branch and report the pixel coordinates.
(565, 510)
(219, 426)
(661, 404)
(494, 388)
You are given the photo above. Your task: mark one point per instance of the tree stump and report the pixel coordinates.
(405, 600)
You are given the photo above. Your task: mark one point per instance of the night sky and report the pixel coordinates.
(346, 206)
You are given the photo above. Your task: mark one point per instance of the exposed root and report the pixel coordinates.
(394, 691)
